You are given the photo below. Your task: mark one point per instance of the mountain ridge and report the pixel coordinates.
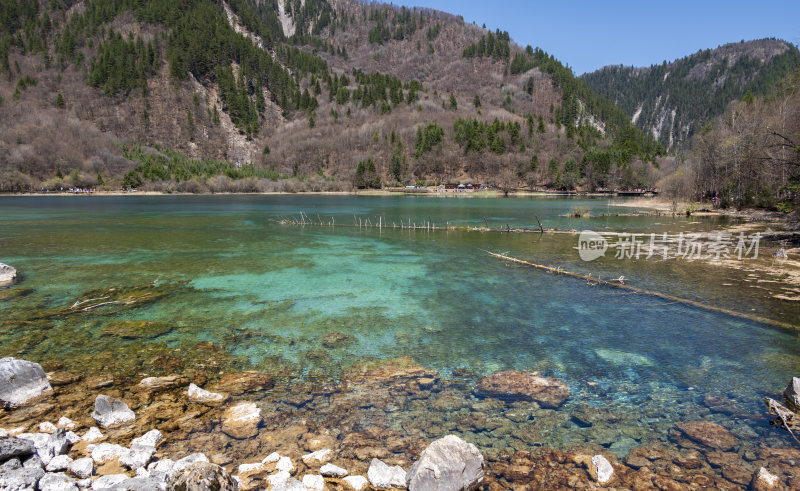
(672, 100)
(416, 94)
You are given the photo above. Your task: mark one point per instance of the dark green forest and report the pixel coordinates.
(627, 139)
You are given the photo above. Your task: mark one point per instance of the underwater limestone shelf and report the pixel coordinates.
(7, 274)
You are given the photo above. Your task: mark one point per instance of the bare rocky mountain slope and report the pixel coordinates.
(200, 96)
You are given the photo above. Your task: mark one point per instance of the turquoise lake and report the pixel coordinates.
(264, 295)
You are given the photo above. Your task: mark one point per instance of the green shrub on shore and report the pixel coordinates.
(159, 164)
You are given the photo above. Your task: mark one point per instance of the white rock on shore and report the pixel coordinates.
(791, 395)
(57, 482)
(7, 274)
(241, 420)
(108, 451)
(323, 455)
(602, 469)
(92, 435)
(314, 482)
(82, 468)
(185, 462)
(21, 381)
(137, 457)
(271, 458)
(59, 463)
(48, 446)
(66, 423)
(330, 470)
(150, 439)
(279, 478)
(382, 476)
(356, 482)
(109, 481)
(284, 464)
(47, 427)
(447, 464)
(250, 468)
(109, 411)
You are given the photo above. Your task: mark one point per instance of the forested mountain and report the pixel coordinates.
(672, 101)
(253, 95)
(747, 156)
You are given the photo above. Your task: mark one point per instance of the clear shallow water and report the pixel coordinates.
(267, 294)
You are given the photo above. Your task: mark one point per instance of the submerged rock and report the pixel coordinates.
(161, 383)
(62, 378)
(14, 293)
(398, 374)
(764, 480)
(382, 476)
(204, 476)
(115, 299)
(709, 434)
(337, 339)
(623, 358)
(515, 385)
(109, 411)
(241, 420)
(138, 329)
(202, 396)
(21, 381)
(7, 274)
(244, 382)
(448, 464)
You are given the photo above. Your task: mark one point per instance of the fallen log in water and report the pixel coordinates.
(619, 283)
(785, 417)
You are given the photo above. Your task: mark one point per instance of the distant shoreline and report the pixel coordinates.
(490, 193)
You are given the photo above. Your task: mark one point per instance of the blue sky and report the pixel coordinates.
(587, 35)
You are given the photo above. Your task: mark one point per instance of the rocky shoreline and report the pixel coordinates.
(241, 431)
